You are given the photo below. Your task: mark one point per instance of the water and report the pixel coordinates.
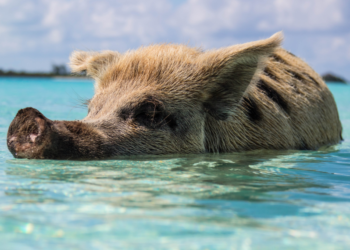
(256, 200)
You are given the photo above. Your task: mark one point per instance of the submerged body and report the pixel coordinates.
(290, 107)
(166, 99)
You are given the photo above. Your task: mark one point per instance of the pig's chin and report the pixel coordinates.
(33, 136)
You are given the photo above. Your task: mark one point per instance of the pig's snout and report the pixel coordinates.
(28, 134)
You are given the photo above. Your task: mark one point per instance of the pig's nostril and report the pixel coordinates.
(11, 141)
(11, 144)
(13, 138)
(33, 137)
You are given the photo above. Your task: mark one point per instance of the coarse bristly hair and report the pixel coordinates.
(169, 98)
(257, 94)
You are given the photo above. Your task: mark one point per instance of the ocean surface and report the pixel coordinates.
(255, 200)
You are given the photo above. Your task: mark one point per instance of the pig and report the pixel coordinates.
(173, 99)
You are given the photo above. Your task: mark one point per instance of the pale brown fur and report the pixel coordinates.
(312, 120)
(168, 98)
(182, 73)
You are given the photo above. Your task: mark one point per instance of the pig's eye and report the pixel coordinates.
(149, 115)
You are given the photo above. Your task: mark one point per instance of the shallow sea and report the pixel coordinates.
(255, 200)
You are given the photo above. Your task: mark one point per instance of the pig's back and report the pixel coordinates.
(289, 108)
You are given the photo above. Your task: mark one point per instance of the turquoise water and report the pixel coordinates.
(256, 200)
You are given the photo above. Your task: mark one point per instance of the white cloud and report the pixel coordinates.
(304, 15)
(55, 36)
(208, 16)
(131, 20)
(200, 20)
(57, 12)
(46, 29)
(3, 29)
(139, 22)
(331, 49)
(10, 45)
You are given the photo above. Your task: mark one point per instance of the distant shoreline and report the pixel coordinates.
(328, 78)
(46, 76)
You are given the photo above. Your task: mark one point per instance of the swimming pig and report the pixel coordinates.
(166, 99)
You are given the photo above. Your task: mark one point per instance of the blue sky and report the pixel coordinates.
(34, 34)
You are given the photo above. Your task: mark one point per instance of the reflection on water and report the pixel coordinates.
(244, 176)
(199, 197)
(153, 182)
(252, 200)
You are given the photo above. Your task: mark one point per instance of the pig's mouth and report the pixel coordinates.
(31, 135)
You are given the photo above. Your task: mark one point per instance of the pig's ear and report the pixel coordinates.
(94, 63)
(231, 70)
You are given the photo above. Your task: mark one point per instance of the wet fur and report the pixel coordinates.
(166, 99)
(285, 106)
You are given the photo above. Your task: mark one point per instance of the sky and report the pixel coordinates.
(34, 34)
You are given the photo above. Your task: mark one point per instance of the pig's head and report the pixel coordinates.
(155, 100)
